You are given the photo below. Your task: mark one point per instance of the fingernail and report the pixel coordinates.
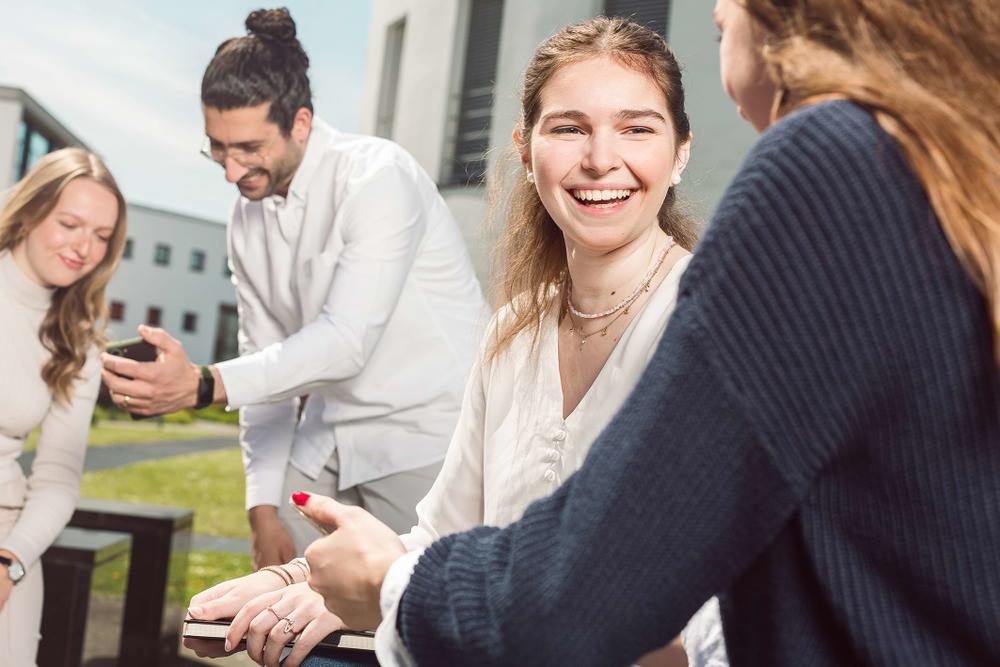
(228, 646)
(300, 498)
(195, 611)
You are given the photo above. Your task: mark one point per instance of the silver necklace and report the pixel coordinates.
(643, 286)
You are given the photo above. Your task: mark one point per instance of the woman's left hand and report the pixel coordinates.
(348, 566)
(6, 587)
(271, 619)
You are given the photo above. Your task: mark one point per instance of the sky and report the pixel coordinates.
(124, 77)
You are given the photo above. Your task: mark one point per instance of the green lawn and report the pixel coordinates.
(211, 484)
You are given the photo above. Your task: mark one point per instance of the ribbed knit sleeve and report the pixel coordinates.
(821, 330)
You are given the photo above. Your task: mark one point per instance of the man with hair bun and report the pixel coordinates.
(359, 308)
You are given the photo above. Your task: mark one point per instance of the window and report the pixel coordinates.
(197, 261)
(154, 315)
(653, 14)
(226, 271)
(471, 135)
(391, 62)
(190, 322)
(127, 251)
(32, 143)
(226, 346)
(161, 255)
(117, 311)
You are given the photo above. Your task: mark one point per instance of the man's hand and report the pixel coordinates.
(348, 566)
(271, 542)
(157, 387)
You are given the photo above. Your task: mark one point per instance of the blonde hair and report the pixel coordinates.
(76, 318)
(927, 70)
(530, 258)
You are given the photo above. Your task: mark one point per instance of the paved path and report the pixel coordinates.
(114, 456)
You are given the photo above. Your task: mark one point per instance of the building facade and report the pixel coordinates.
(174, 272)
(443, 80)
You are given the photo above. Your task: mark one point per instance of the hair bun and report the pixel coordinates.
(272, 24)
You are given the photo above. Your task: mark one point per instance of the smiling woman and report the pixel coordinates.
(62, 230)
(591, 260)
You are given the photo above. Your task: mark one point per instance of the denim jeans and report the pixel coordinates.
(340, 658)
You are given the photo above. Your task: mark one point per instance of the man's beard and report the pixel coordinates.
(281, 172)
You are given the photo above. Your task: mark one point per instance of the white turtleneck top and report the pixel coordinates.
(49, 494)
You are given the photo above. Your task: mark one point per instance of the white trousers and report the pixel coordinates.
(21, 616)
(391, 499)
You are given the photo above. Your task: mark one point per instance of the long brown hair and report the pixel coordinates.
(927, 69)
(530, 258)
(76, 318)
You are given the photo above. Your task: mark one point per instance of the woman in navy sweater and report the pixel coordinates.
(817, 439)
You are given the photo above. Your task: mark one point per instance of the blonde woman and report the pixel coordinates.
(62, 229)
(591, 256)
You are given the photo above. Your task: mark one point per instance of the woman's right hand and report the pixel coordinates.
(226, 599)
(271, 619)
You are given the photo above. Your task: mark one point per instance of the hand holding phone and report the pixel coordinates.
(134, 348)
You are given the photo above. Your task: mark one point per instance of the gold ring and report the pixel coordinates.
(125, 400)
(277, 618)
(289, 624)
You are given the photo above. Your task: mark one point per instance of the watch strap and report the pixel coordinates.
(206, 388)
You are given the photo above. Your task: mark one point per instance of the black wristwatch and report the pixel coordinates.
(14, 569)
(206, 388)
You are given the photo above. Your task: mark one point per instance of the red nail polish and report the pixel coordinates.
(300, 498)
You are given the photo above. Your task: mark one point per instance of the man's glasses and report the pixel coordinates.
(252, 156)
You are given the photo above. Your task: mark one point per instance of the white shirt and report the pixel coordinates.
(49, 494)
(358, 290)
(512, 445)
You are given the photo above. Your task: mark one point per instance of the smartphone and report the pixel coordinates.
(133, 348)
(323, 530)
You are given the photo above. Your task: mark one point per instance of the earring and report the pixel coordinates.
(530, 177)
(676, 179)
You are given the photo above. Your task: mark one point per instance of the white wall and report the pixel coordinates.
(139, 283)
(425, 77)
(721, 138)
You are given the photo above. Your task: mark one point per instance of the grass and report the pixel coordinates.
(207, 568)
(211, 484)
(110, 433)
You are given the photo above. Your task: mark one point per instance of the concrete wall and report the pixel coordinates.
(10, 118)
(139, 283)
(721, 138)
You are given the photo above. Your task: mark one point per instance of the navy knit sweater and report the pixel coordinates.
(817, 440)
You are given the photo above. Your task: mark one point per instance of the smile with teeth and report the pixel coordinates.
(601, 198)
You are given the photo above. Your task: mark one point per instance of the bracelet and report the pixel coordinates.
(274, 570)
(291, 578)
(303, 565)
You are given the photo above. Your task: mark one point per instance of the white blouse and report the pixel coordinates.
(512, 445)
